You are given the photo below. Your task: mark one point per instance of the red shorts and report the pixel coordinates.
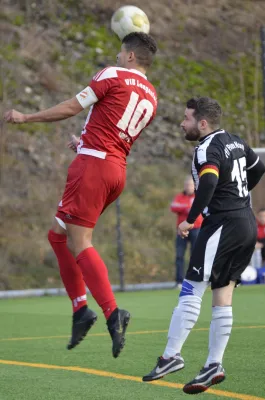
(92, 184)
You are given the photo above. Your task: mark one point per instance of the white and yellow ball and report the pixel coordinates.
(129, 19)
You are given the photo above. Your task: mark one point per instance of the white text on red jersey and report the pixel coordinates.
(136, 82)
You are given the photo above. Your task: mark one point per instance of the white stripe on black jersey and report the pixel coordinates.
(203, 146)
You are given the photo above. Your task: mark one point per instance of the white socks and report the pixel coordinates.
(220, 329)
(184, 316)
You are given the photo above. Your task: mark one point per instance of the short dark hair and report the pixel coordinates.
(206, 108)
(143, 46)
(261, 210)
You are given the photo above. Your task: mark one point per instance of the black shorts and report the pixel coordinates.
(223, 248)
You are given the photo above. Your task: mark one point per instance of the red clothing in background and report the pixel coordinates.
(181, 206)
(261, 231)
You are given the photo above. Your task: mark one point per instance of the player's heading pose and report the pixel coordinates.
(122, 103)
(224, 170)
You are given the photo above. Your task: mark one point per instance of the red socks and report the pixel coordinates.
(88, 267)
(69, 270)
(95, 275)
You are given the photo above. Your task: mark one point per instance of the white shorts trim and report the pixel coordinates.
(210, 253)
(92, 152)
(61, 223)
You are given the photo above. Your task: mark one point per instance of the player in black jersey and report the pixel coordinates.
(224, 170)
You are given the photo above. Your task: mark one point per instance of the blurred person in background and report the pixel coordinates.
(258, 259)
(261, 233)
(181, 205)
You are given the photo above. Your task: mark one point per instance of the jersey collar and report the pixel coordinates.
(135, 71)
(210, 134)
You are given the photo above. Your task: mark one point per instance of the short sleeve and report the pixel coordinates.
(86, 97)
(104, 81)
(209, 155)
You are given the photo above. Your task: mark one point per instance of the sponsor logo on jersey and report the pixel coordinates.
(233, 146)
(136, 82)
(84, 94)
(125, 137)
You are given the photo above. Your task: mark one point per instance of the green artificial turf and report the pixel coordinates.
(46, 322)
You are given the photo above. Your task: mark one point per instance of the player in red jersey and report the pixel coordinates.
(122, 103)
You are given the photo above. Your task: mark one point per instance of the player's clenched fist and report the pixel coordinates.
(184, 228)
(14, 117)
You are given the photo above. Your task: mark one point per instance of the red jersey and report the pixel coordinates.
(261, 231)
(181, 205)
(125, 104)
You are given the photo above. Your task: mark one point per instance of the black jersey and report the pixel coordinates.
(230, 157)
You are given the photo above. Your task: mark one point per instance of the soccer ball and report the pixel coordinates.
(249, 276)
(129, 19)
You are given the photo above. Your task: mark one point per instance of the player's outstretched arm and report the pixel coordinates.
(61, 111)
